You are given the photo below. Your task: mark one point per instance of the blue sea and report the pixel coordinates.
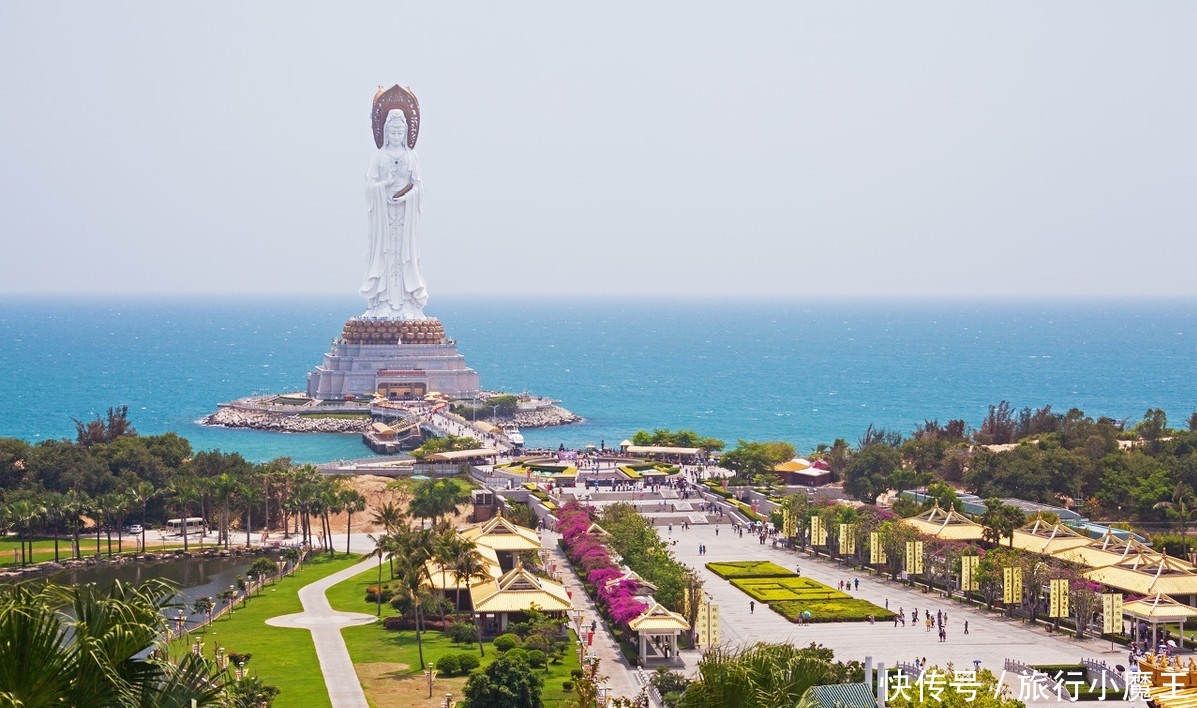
(802, 371)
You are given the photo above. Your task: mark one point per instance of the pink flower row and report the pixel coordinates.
(593, 561)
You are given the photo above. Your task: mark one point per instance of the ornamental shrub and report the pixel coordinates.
(393, 623)
(576, 673)
(536, 658)
(449, 665)
(518, 653)
(467, 662)
(568, 686)
(461, 633)
(536, 641)
(506, 642)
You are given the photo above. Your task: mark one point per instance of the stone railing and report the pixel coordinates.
(1104, 674)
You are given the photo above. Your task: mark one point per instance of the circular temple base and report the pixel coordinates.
(393, 332)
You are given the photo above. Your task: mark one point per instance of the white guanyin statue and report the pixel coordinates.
(393, 286)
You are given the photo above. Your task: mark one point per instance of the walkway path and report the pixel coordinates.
(621, 678)
(344, 689)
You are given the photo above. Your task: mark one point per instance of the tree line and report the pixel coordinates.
(1105, 468)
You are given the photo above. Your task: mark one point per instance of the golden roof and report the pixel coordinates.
(950, 525)
(1148, 573)
(1109, 550)
(517, 591)
(446, 581)
(1159, 607)
(1039, 536)
(502, 535)
(791, 466)
(630, 574)
(658, 619)
(596, 530)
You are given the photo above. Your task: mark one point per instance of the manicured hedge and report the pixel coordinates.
(631, 473)
(790, 595)
(845, 610)
(792, 588)
(749, 569)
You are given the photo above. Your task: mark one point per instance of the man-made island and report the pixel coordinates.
(296, 413)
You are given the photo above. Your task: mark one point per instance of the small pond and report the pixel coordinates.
(195, 577)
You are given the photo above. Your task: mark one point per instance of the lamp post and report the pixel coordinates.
(448, 700)
(232, 596)
(431, 674)
(179, 620)
(240, 670)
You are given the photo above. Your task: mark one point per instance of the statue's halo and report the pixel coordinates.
(396, 98)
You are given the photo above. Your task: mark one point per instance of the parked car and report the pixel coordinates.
(133, 530)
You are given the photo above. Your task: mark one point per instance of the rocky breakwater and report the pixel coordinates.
(545, 417)
(284, 423)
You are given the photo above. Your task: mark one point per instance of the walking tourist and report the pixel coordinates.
(751, 607)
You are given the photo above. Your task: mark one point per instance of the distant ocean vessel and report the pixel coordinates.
(514, 435)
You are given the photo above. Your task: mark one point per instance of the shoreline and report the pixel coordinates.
(243, 414)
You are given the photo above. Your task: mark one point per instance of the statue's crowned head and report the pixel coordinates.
(395, 129)
(386, 102)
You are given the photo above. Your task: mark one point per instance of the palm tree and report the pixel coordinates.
(140, 494)
(248, 494)
(110, 507)
(184, 492)
(758, 676)
(1183, 504)
(352, 501)
(388, 515)
(330, 503)
(100, 653)
(382, 546)
(55, 505)
(76, 504)
(23, 513)
(413, 573)
(224, 489)
(468, 566)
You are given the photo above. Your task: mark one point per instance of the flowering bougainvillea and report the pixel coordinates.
(593, 560)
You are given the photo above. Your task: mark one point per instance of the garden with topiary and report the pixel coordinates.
(794, 597)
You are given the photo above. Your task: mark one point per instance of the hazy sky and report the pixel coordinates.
(688, 148)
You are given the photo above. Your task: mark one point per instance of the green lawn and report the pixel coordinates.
(43, 548)
(381, 656)
(281, 656)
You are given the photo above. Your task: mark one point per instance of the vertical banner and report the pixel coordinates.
(968, 573)
(1111, 613)
(876, 551)
(914, 557)
(1058, 601)
(847, 539)
(1011, 585)
(789, 528)
(707, 625)
(818, 534)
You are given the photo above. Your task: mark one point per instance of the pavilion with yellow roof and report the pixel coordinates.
(1045, 538)
(505, 538)
(949, 525)
(499, 600)
(658, 622)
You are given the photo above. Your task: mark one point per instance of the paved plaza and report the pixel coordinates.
(991, 638)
